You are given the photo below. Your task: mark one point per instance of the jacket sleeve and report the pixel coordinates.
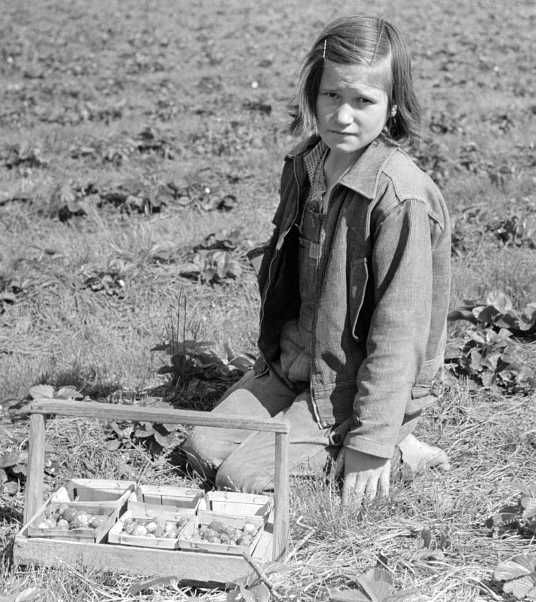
(401, 270)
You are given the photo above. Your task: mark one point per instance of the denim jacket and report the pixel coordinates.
(382, 302)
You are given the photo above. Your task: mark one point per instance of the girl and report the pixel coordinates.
(354, 282)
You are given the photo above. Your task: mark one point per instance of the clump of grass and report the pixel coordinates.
(509, 270)
(431, 534)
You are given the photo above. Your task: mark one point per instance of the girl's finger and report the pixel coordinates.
(372, 487)
(385, 479)
(352, 492)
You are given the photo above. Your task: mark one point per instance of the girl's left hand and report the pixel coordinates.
(365, 477)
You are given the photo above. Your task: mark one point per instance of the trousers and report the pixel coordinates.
(243, 460)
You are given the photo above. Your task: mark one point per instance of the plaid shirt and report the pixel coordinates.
(297, 335)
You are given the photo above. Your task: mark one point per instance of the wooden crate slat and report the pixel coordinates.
(192, 566)
(109, 411)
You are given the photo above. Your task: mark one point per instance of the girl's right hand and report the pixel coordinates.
(365, 477)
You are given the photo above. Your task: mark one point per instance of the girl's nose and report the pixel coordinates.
(343, 114)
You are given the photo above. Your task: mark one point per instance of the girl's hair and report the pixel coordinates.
(361, 40)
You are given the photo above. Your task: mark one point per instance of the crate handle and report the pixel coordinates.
(39, 408)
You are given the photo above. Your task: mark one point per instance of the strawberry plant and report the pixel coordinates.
(446, 123)
(517, 577)
(12, 470)
(19, 156)
(155, 437)
(217, 258)
(497, 311)
(199, 371)
(489, 358)
(490, 354)
(516, 227)
(203, 197)
(433, 157)
(12, 288)
(467, 229)
(211, 267)
(519, 516)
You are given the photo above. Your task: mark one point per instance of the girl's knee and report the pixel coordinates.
(241, 477)
(201, 452)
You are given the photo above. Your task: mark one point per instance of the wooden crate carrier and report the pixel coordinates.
(182, 564)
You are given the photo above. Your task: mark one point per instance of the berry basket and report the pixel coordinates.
(221, 533)
(149, 528)
(184, 500)
(81, 521)
(93, 490)
(239, 504)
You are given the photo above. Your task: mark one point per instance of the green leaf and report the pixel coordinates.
(500, 301)
(116, 428)
(171, 428)
(529, 506)
(68, 393)
(39, 391)
(518, 566)
(475, 360)
(31, 593)
(491, 360)
(477, 338)
(27, 595)
(348, 595)
(9, 459)
(242, 362)
(377, 584)
(233, 268)
(163, 440)
(19, 469)
(487, 315)
(143, 431)
(522, 588)
(527, 320)
(509, 321)
(145, 584)
(503, 335)
(487, 379)
(112, 444)
(11, 487)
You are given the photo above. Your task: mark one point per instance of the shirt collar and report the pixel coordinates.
(364, 174)
(313, 158)
(362, 177)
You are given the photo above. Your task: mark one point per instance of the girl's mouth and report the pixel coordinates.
(343, 133)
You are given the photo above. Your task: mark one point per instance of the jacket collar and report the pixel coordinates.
(363, 176)
(303, 147)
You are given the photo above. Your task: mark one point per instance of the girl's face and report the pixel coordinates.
(351, 107)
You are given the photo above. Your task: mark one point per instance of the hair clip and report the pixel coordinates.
(324, 51)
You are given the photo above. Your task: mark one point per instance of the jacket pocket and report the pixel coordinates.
(428, 385)
(357, 288)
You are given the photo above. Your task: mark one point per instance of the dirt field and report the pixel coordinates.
(139, 162)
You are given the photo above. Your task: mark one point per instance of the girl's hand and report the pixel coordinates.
(365, 476)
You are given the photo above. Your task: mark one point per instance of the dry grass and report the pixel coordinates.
(492, 457)
(188, 71)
